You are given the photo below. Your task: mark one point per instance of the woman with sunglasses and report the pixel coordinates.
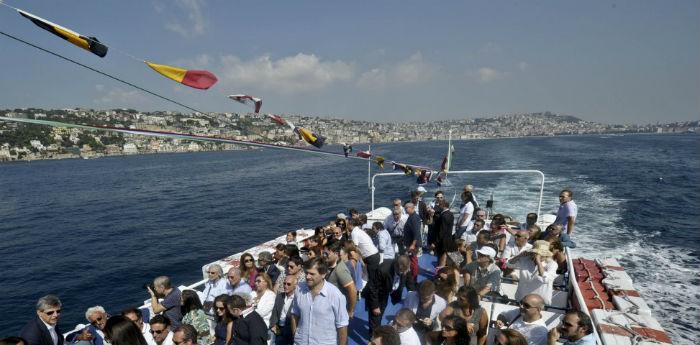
(454, 332)
(264, 297)
(248, 269)
(510, 337)
(467, 307)
(194, 315)
(223, 332)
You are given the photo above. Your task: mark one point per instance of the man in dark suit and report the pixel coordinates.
(43, 329)
(281, 318)
(401, 278)
(249, 328)
(412, 237)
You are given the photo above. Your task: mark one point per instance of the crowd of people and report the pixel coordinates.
(306, 292)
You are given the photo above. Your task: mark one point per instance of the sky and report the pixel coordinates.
(388, 61)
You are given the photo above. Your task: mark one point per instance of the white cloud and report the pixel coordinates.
(522, 66)
(189, 22)
(488, 74)
(413, 70)
(374, 78)
(118, 96)
(292, 74)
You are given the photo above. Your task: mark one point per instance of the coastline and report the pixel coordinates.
(95, 155)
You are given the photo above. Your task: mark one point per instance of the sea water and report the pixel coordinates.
(94, 231)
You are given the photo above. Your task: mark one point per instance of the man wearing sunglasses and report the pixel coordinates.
(576, 328)
(160, 330)
(43, 329)
(280, 320)
(92, 333)
(527, 320)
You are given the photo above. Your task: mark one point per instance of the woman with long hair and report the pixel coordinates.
(193, 314)
(248, 269)
(446, 284)
(350, 253)
(454, 332)
(467, 307)
(120, 330)
(223, 332)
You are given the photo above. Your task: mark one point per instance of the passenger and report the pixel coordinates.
(170, 306)
(483, 275)
(280, 257)
(499, 233)
(426, 306)
(467, 307)
(446, 282)
(412, 237)
(474, 228)
(554, 232)
(267, 265)
(263, 297)
(444, 242)
(469, 188)
(535, 233)
(402, 278)
(338, 235)
(396, 203)
(513, 249)
(482, 239)
(235, 283)
(510, 337)
(457, 256)
(454, 332)
(215, 286)
(559, 256)
(576, 328)
(185, 335)
(248, 269)
(434, 226)
(313, 253)
(340, 276)
(249, 327)
(43, 328)
(527, 320)
(318, 309)
(421, 206)
(354, 214)
(385, 246)
(160, 330)
(385, 335)
(136, 316)
(194, 315)
(352, 258)
(121, 331)
(465, 214)
(282, 312)
(294, 268)
(93, 332)
(343, 225)
(403, 324)
(292, 237)
(19, 341)
(223, 331)
(566, 215)
(530, 221)
(536, 272)
(394, 223)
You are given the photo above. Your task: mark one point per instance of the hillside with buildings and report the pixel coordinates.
(26, 141)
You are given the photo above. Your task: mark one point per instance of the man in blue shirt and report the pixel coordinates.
(576, 328)
(170, 305)
(316, 306)
(567, 212)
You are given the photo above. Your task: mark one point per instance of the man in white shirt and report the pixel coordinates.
(403, 323)
(527, 320)
(394, 224)
(136, 316)
(215, 286)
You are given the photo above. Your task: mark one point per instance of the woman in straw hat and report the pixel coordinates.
(537, 271)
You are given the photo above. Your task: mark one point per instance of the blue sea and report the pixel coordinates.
(94, 231)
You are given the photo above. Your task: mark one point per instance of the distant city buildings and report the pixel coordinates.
(23, 141)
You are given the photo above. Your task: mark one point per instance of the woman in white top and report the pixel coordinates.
(537, 272)
(465, 213)
(263, 297)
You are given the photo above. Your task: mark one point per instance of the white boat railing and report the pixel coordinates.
(472, 172)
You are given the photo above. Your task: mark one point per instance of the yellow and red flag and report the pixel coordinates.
(192, 78)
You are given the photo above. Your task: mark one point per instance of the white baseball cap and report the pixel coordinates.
(488, 251)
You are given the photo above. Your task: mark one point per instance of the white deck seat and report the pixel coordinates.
(508, 289)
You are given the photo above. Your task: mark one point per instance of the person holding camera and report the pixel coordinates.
(536, 271)
(170, 305)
